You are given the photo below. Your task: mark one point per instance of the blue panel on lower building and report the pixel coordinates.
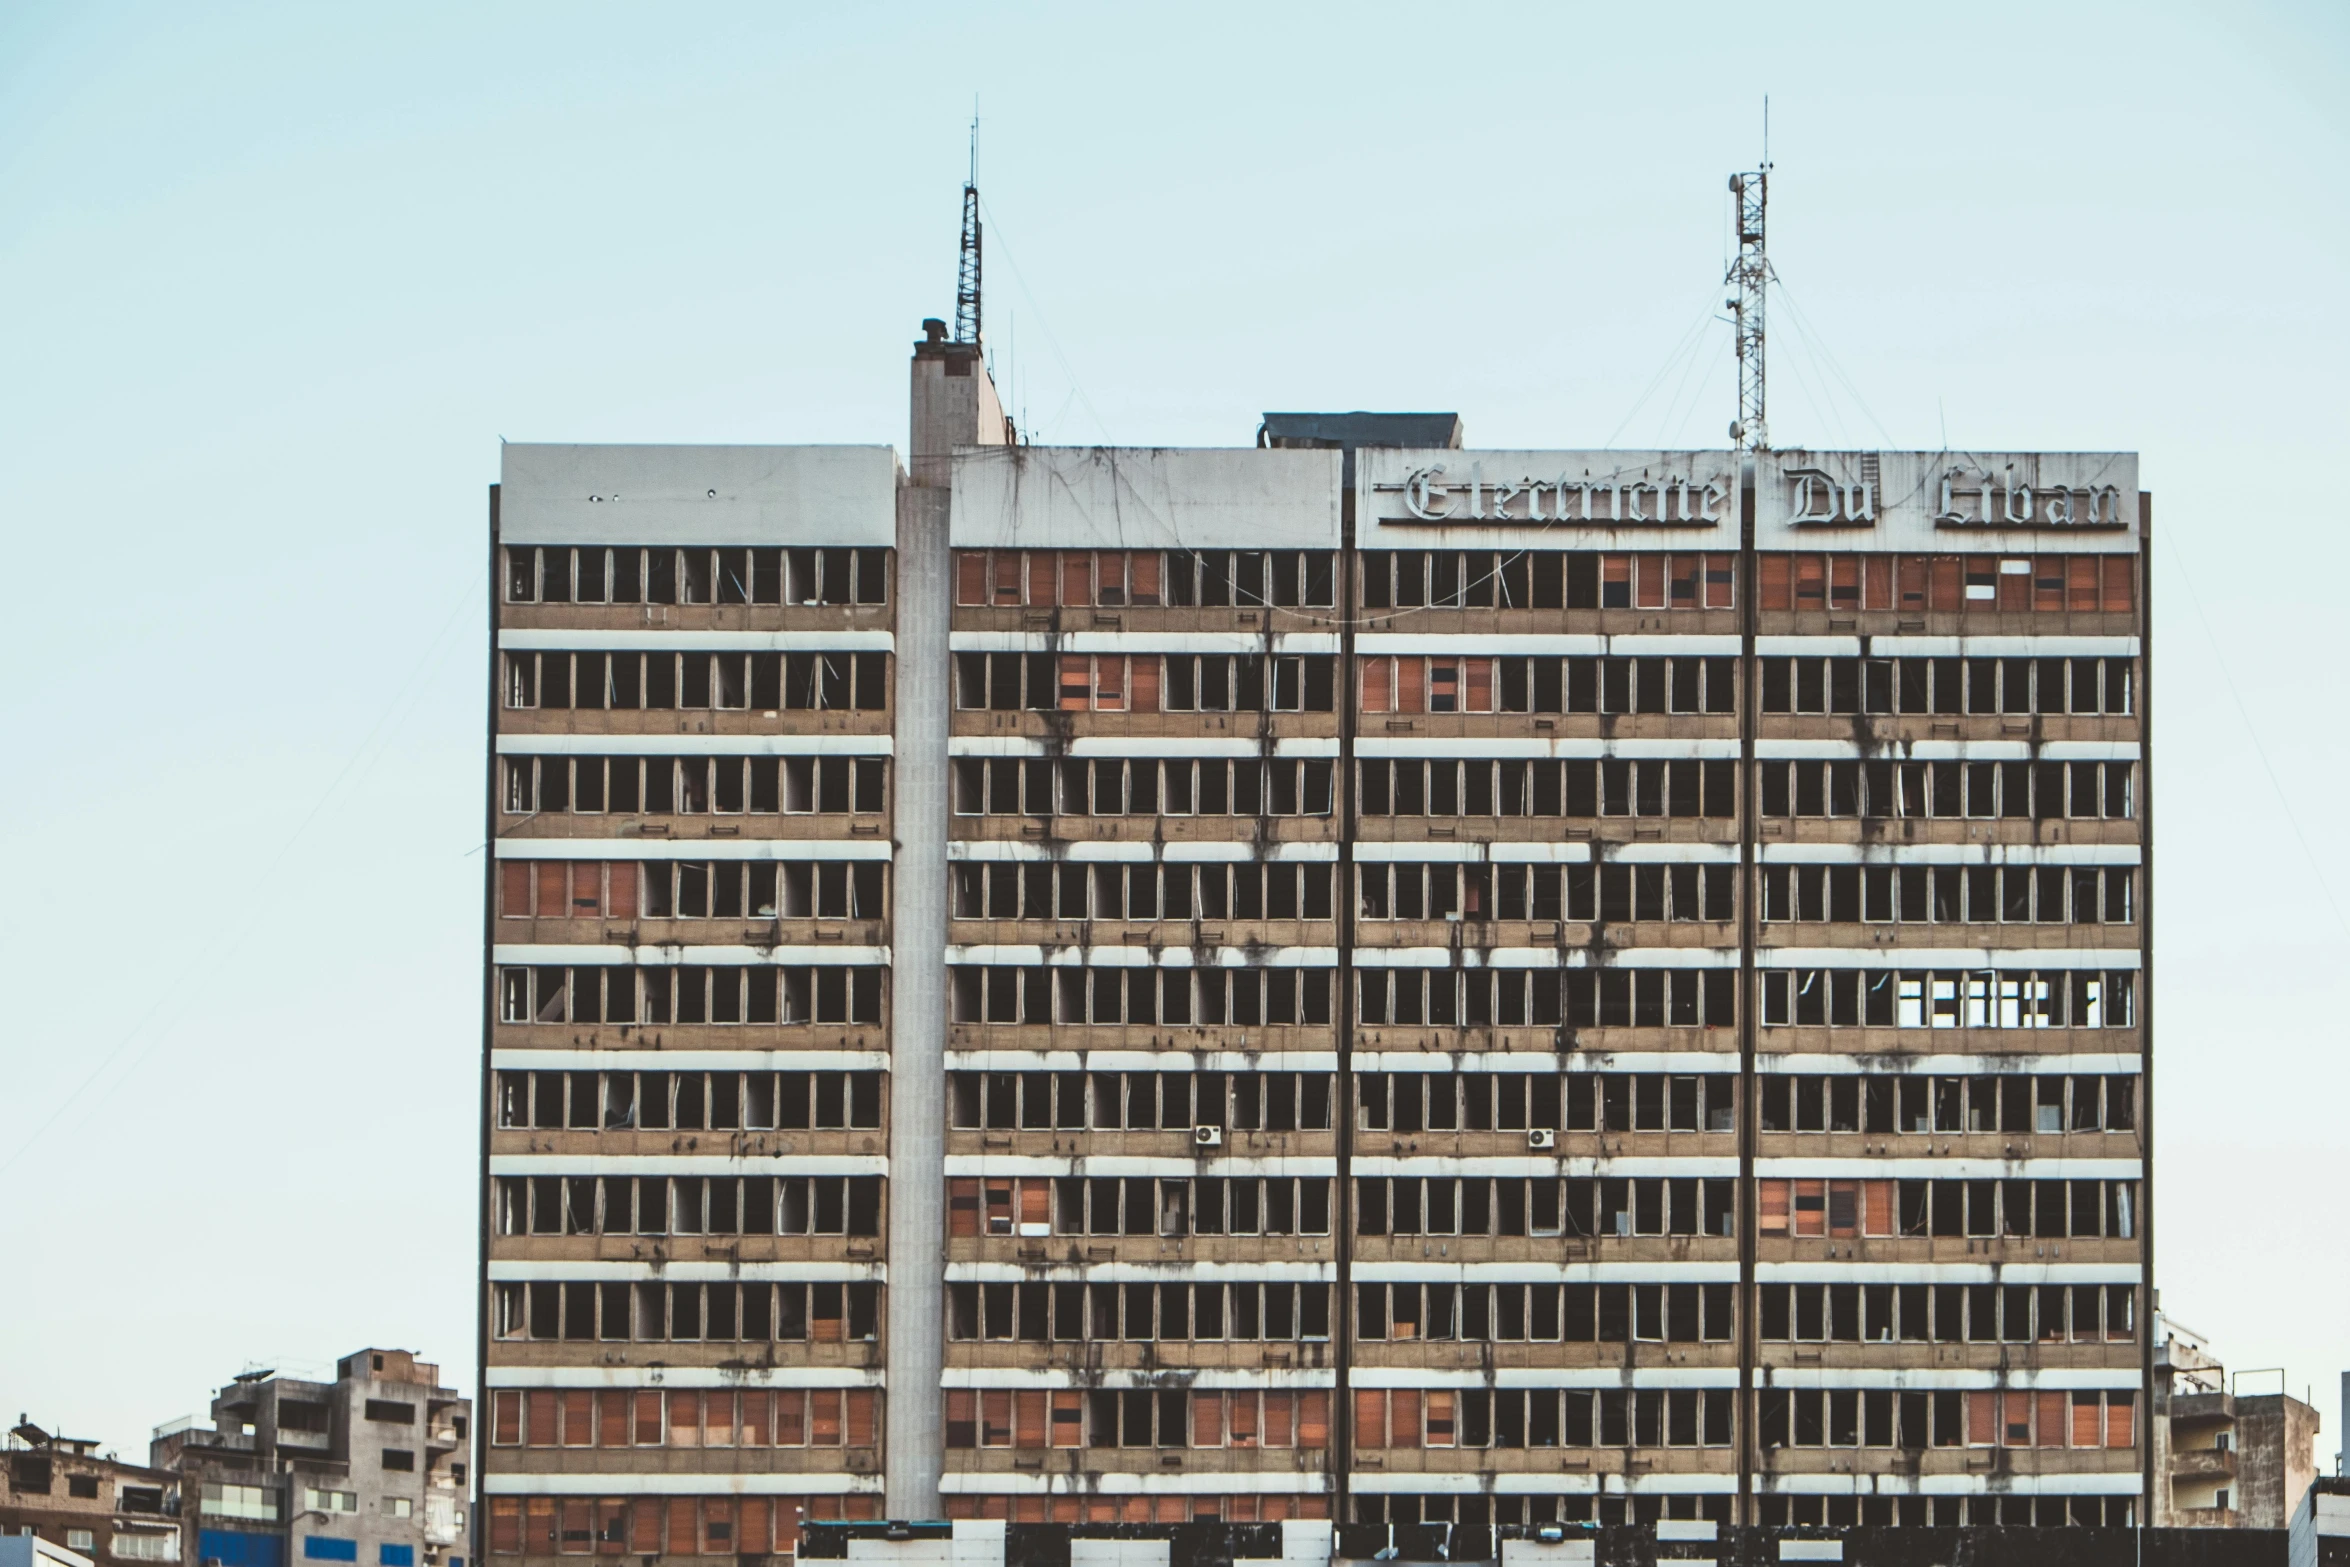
(238, 1548)
(322, 1548)
(396, 1555)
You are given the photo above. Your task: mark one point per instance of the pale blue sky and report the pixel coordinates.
(276, 280)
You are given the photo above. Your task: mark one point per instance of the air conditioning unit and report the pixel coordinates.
(1542, 1137)
(1207, 1137)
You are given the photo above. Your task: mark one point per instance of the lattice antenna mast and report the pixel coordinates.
(1750, 274)
(967, 274)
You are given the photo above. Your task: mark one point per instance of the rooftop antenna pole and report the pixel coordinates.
(1750, 274)
(967, 274)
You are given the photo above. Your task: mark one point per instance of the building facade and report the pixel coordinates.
(1351, 977)
(62, 1491)
(369, 1468)
(2223, 1458)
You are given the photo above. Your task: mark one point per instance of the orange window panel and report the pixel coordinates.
(862, 1408)
(1207, 1420)
(611, 1526)
(1313, 1419)
(1912, 586)
(755, 1527)
(824, 1417)
(575, 1535)
(1721, 581)
(1949, 584)
(1876, 1207)
(1109, 686)
(1280, 1419)
(1041, 573)
(1411, 685)
(2080, 582)
(644, 1527)
(1076, 577)
(758, 1419)
(1241, 1416)
(579, 1418)
(1811, 1207)
(1772, 1204)
(788, 1513)
(1142, 585)
(963, 1208)
(998, 1197)
(1440, 1417)
(587, 889)
(506, 1525)
(1615, 581)
(539, 1427)
(1478, 676)
(1844, 582)
(2121, 585)
(1036, 1200)
(2048, 1419)
(1811, 582)
(684, 1527)
(514, 889)
(1876, 582)
(1444, 686)
(623, 890)
(2121, 1420)
(1685, 572)
(648, 1419)
(1028, 1420)
(2015, 583)
(971, 577)
(2088, 1416)
(1068, 1419)
(1007, 577)
(718, 1419)
(1777, 582)
(1982, 1419)
(1142, 694)
(1403, 1418)
(506, 1417)
(540, 1530)
(554, 895)
(1370, 1418)
(995, 1417)
(2015, 1419)
(1378, 685)
(2047, 582)
(718, 1526)
(1110, 577)
(685, 1419)
(1076, 682)
(1648, 581)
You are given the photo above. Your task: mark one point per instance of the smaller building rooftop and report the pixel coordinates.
(1415, 431)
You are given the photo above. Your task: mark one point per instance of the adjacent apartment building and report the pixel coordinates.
(1346, 977)
(368, 1468)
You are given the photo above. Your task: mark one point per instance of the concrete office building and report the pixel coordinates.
(369, 1468)
(1348, 977)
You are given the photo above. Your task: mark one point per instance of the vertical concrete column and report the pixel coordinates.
(914, 1448)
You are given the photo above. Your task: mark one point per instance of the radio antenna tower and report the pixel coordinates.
(1750, 274)
(967, 274)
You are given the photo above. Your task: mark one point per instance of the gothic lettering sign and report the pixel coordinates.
(1473, 488)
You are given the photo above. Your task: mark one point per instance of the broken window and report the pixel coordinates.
(1914, 584)
(632, 574)
(655, 1313)
(694, 785)
(1975, 998)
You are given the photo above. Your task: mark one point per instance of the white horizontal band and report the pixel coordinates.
(625, 1377)
(517, 1271)
(670, 641)
(1513, 644)
(1273, 1272)
(1136, 851)
(1550, 1168)
(2048, 1378)
(1126, 1482)
(658, 849)
(1144, 642)
(1523, 747)
(2010, 958)
(1781, 749)
(616, 1482)
(1948, 1169)
(690, 1060)
(1143, 1060)
(845, 955)
(1537, 1378)
(1206, 1378)
(1947, 1273)
(1213, 1162)
(1951, 854)
(1112, 747)
(689, 1164)
(694, 745)
(1437, 1271)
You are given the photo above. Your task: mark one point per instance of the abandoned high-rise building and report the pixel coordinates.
(1344, 977)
